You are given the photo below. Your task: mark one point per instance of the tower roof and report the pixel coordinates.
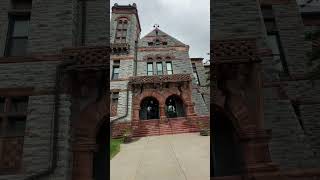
(158, 34)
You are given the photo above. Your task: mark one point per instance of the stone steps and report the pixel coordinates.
(154, 128)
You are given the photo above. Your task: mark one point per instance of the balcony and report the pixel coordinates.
(160, 79)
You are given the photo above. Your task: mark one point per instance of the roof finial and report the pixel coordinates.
(156, 26)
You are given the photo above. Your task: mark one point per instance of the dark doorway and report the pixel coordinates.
(100, 159)
(227, 154)
(149, 108)
(174, 107)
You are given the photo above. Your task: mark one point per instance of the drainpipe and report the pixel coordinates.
(55, 128)
(135, 57)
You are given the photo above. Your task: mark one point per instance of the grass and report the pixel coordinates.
(115, 147)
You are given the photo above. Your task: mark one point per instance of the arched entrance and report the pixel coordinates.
(149, 108)
(174, 107)
(227, 151)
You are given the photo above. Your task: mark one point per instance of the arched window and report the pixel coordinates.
(121, 31)
(174, 107)
(149, 108)
(157, 42)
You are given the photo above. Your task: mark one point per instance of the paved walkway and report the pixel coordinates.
(168, 157)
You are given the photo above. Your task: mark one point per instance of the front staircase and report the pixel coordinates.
(171, 126)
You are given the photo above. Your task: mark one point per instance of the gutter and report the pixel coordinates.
(55, 129)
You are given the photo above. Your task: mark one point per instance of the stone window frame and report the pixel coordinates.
(13, 17)
(268, 19)
(121, 30)
(150, 70)
(158, 70)
(167, 69)
(195, 73)
(116, 65)
(114, 103)
(12, 139)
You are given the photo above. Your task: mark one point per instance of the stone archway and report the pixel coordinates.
(88, 126)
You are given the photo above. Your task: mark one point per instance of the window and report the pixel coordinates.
(150, 43)
(115, 70)
(18, 35)
(114, 103)
(12, 129)
(159, 68)
(149, 69)
(169, 68)
(164, 43)
(273, 41)
(121, 32)
(195, 73)
(157, 42)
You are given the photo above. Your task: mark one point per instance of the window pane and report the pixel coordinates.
(169, 67)
(115, 70)
(16, 126)
(170, 72)
(273, 44)
(18, 47)
(20, 28)
(159, 68)
(150, 68)
(19, 105)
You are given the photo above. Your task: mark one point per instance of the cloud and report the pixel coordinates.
(186, 20)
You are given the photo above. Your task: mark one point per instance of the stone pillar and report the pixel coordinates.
(135, 117)
(83, 161)
(162, 113)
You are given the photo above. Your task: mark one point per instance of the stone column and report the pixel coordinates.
(162, 113)
(83, 161)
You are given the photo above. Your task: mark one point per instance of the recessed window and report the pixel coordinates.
(18, 35)
(164, 43)
(121, 30)
(195, 73)
(169, 68)
(115, 70)
(150, 43)
(149, 69)
(159, 68)
(12, 131)
(114, 103)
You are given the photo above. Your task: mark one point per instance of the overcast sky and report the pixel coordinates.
(186, 20)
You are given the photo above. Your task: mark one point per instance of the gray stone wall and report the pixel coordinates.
(97, 28)
(36, 157)
(289, 147)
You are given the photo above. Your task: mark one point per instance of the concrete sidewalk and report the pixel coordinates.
(168, 157)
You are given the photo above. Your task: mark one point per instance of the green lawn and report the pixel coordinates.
(115, 147)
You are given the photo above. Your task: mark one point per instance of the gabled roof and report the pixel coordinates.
(162, 36)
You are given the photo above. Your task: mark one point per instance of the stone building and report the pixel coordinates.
(54, 109)
(266, 111)
(156, 87)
